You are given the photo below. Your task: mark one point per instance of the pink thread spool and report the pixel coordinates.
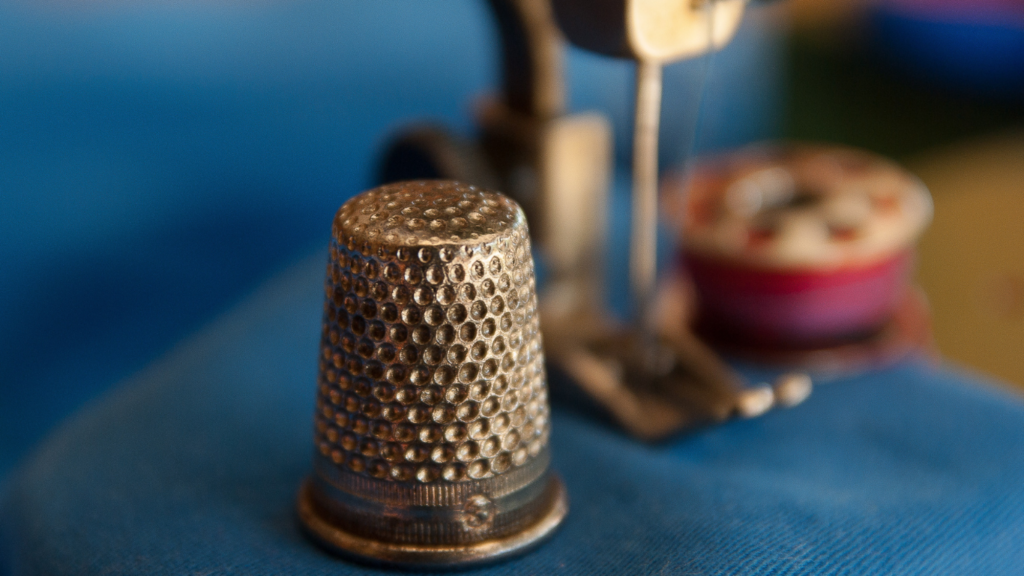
(797, 246)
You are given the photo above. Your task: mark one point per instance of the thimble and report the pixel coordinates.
(432, 418)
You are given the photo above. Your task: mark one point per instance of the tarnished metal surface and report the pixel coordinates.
(432, 417)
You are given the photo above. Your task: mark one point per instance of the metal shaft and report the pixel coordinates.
(644, 238)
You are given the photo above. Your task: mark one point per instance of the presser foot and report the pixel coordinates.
(655, 386)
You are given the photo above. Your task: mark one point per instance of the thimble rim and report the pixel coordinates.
(366, 550)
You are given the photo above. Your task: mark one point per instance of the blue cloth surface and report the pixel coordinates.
(158, 159)
(192, 468)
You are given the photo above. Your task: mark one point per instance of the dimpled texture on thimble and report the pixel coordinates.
(431, 362)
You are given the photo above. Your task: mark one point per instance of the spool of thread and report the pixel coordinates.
(797, 246)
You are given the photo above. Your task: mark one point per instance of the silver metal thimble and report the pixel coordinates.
(432, 418)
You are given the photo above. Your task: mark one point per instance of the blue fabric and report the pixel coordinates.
(158, 159)
(192, 468)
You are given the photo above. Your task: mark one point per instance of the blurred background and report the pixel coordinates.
(158, 160)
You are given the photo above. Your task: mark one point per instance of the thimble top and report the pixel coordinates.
(431, 368)
(429, 213)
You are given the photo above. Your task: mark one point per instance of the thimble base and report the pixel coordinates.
(342, 542)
